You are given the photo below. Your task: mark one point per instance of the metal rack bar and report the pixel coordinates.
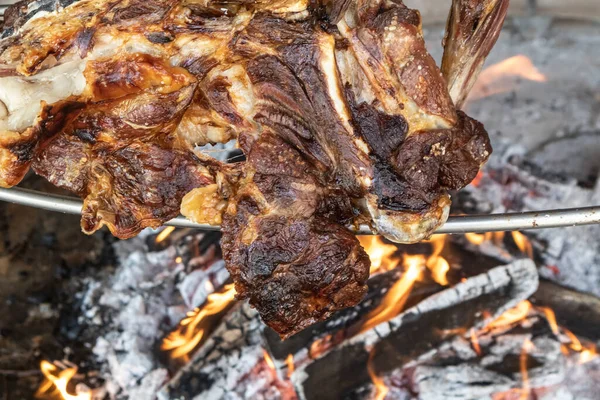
(455, 224)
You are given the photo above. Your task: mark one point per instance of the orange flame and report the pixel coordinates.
(59, 380)
(586, 353)
(381, 390)
(477, 180)
(476, 238)
(289, 361)
(396, 297)
(504, 77)
(438, 265)
(475, 342)
(269, 360)
(190, 331)
(551, 317)
(479, 238)
(525, 349)
(511, 316)
(523, 243)
(381, 253)
(164, 234)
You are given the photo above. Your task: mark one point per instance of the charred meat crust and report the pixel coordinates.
(293, 263)
(320, 152)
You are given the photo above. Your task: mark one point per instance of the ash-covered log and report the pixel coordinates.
(435, 320)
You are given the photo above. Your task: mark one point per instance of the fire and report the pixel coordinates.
(191, 330)
(381, 254)
(438, 265)
(477, 180)
(479, 238)
(523, 243)
(551, 317)
(164, 234)
(511, 316)
(520, 240)
(504, 77)
(525, 350)
(269, 360)
(586, 353)
(396, 297)
(289, 361)
(381, 390)
(59, 380)
(475, 342)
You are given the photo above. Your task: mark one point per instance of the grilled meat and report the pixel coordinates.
(340, 110)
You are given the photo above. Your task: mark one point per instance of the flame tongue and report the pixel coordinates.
(381, 390)
(504, 77)
(192, 328)
(396, 297)
(380, 253)
(59, 379)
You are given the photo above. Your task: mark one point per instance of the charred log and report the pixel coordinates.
(577, 311)
(416, 331)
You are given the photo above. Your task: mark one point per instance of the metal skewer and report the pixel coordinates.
(455, 224)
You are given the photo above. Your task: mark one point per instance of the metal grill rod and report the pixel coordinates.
(455, 224)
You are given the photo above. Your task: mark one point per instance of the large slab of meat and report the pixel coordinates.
(342, 115)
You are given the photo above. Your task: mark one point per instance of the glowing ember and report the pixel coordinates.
(511, 316)
(381, 254)
(438, 265)
(396, 297)
(525, 390)
(164, 234)
(320, 346)
(269, 360)
(477, 181)
(504, 77)
(56, 382)
(381, 390)
(289, 361)
(475, 342)
(191, 329)
(523, 243)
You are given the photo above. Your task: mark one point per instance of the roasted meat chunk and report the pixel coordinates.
(340, 111)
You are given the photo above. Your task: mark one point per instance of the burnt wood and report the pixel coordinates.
(413, 333)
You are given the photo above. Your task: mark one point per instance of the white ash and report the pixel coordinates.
(198, 284)
(510, 184)
(133, 307)
(551, 123)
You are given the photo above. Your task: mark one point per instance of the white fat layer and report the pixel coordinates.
(240, 91)
(329, 68)
(22, 96)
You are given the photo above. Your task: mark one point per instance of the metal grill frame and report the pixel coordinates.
(455, 224)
